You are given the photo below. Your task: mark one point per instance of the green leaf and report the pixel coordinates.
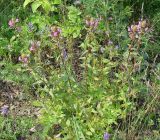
(26, 2)
(13, 38)
(36, 103)
(53, 8)
(68, 122)
(57, 2)
(35, 6)
(46, 6)
(92, 130)
(89, 133)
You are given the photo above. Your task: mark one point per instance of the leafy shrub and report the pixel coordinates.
(13, 130)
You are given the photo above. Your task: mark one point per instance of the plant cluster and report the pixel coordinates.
(88, 69)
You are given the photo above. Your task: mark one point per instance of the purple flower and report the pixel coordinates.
(30, 26)
(4, 110)
(106, 136)
(117, 47)
(110, 42)
(64, 53)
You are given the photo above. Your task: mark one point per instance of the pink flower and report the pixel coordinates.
(96, 23)
(136, 30)
(19, 58)
(17, 20)
(34, 46)
(31, 49)
(55, 31)
(24, 59)
(11, 23)
(92, 23)
(59, 30)
(55, 34)
(129, 29)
